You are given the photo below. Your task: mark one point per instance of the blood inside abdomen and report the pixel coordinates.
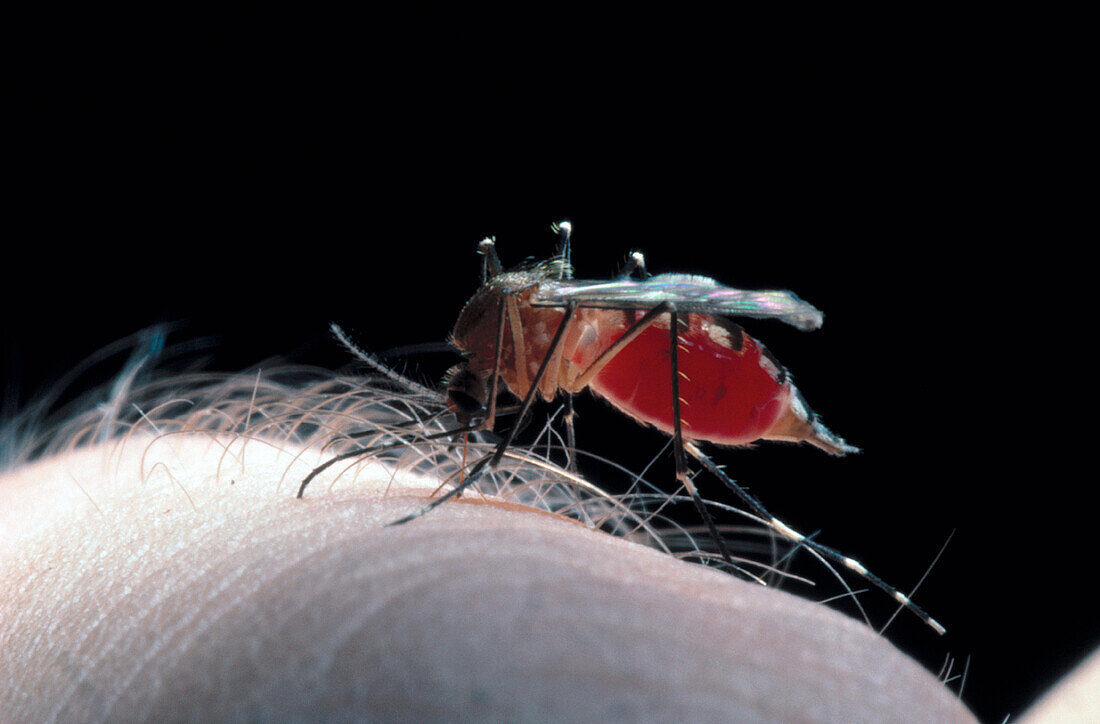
(728, 396)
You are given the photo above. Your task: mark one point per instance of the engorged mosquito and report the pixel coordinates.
(660, 349)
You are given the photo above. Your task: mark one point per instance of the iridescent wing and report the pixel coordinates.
(688, 292)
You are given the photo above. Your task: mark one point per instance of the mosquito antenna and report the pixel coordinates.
(366, 357)
(490, 264)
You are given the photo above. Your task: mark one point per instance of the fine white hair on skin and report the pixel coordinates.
(156, 563)
(300, 417)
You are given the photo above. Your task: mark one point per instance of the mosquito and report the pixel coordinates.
(661, 349)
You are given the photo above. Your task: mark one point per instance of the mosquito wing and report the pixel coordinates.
(689, 293)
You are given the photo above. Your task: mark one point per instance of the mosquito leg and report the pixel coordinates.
(529, 398)
(394, 425)
(494, 380)
(490, 417)
(570, 435)
(519, 342)
(455, 492)
(792, 535)
(494, 459)
(678, 437)
(372, 450)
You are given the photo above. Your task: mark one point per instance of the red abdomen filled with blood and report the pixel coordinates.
(731, 391)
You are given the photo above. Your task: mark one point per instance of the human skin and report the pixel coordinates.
(179, 578)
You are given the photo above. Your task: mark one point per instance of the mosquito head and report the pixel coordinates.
(466, 395)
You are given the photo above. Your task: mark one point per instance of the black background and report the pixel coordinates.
(917, 175)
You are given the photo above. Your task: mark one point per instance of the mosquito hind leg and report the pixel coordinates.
(808, 541)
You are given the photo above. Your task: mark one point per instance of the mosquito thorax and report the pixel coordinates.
(480, 315)
(499, 307)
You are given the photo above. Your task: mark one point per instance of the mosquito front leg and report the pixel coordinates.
(493, 459)
(529, 398)
(367, 451)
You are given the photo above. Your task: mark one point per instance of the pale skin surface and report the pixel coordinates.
(203, 589)
(1076, 698)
